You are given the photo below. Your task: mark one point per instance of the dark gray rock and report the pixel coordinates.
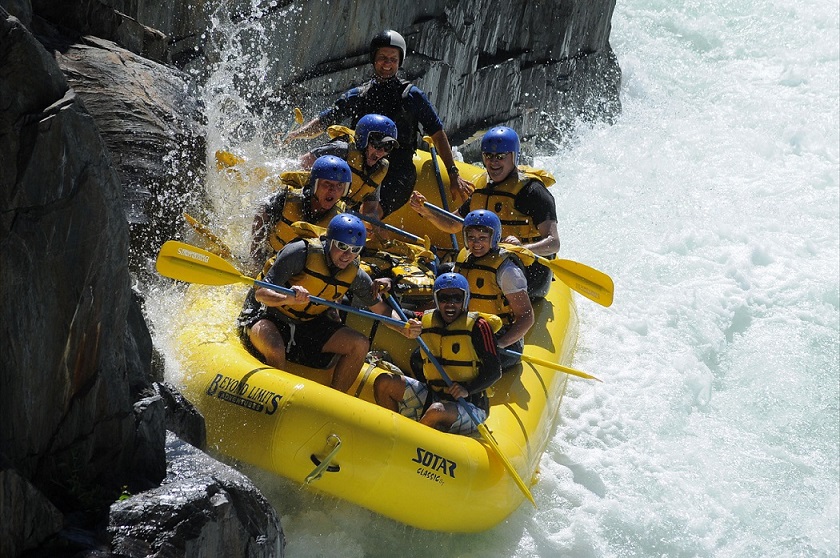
(182, 418)
(68, 425)
(202, 508)
(153, 129)
(27, 518)
(98, 18)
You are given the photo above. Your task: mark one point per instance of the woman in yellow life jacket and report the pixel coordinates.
(464, 345)
(274, 326)
(366, 151)
(520, 198)
(312, 197)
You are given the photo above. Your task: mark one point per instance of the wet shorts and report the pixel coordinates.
(304, 341)
(413, 405)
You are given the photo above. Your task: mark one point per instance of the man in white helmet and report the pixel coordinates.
(405, 104)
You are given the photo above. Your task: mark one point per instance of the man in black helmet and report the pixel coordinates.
(405, 104)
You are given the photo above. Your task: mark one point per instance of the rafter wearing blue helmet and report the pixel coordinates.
(275, 326)
(347, 233)
(461, 342)
(521, 199)
(496, 280)
(484, 219)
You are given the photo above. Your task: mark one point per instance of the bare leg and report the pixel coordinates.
(352, 347)
(267, 340)
(388, 390)
(440, 415)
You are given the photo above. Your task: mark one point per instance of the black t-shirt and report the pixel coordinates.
(533, 200)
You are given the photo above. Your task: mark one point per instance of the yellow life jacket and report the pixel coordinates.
(452, 345)
(485, 294)
(320, 280)
(295, 209)
(500, 200)
(365, 181)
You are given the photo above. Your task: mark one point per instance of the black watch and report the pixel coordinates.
(452, 170)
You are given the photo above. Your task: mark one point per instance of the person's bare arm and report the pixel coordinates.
(418, 204)
(311, 129)
(523, 318)
(459, 188)
(547, 245)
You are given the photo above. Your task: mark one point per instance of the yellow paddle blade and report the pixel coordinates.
(222, 249)
(184, 262)
(488, 437)
(298, 116)
(591, 283)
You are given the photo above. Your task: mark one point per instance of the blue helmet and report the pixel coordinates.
(501, 139)
(452, 281)
(486, 219)
(347, 228)
(378, 124)
(330, 167)
(388, 38)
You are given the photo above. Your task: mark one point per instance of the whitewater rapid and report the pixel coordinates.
(713, 203)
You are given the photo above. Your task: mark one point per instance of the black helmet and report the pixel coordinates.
(388, 38)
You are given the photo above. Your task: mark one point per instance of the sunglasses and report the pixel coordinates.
(494, 156)
(387, 146)
(344, 247)
(455, 297)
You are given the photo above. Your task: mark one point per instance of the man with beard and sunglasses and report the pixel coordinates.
(405, 104)
(275, 327)
(463, 344)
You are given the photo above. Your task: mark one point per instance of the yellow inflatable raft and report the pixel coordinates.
(290, 423)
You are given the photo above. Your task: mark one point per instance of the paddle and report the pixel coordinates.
(426, 242)
(588, 281)
(482, 429)
(441, 189)
(549, 364)
(221, 248)
(183, 262)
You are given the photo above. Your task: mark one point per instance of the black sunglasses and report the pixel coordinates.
(388, 146)
(455, 297)
(494, 156)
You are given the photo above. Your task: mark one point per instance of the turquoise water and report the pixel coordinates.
(713, 203)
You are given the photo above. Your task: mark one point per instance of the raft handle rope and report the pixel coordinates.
(326, 464)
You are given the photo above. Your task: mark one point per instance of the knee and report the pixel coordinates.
(360, 345)
(388, 388)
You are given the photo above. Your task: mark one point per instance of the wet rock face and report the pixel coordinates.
(202, 508)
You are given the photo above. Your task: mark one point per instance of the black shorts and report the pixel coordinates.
(304, 341)
(539, 280)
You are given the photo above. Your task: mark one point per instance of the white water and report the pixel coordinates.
(713, 203)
